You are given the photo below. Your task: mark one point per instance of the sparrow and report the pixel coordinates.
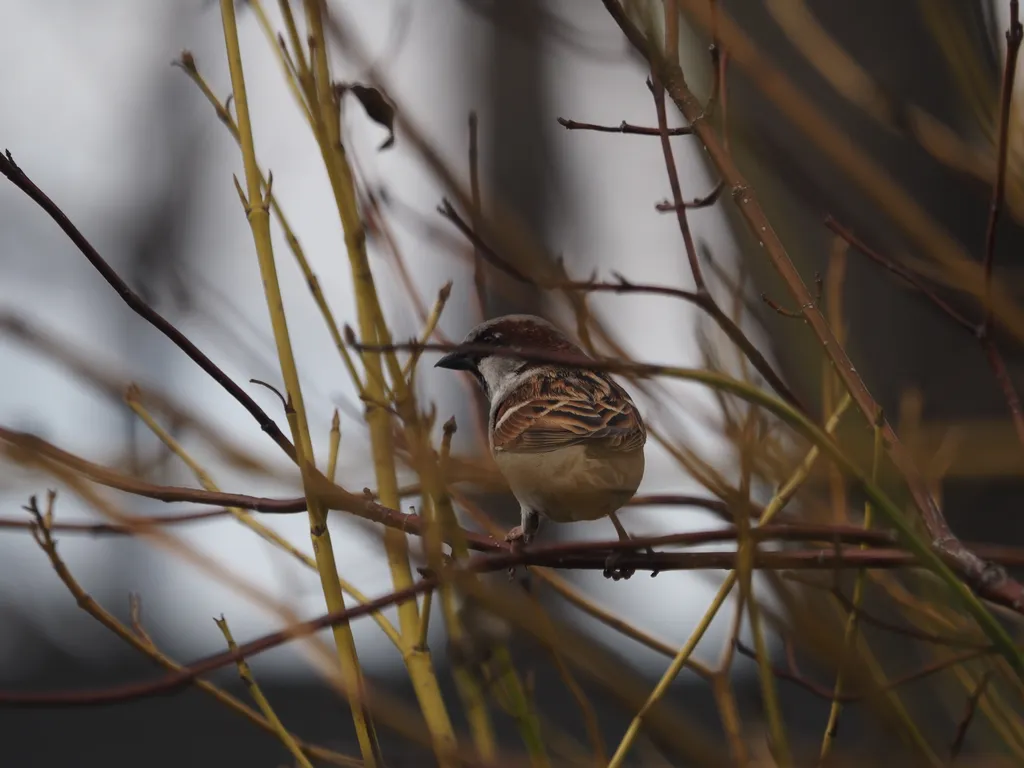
(568, 440)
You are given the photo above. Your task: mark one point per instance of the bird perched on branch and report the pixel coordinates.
(568, 440)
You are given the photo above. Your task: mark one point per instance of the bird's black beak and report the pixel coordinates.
(457, 361)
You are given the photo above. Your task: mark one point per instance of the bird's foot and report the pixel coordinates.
(517, 538)
(613, 571)
(654, 571)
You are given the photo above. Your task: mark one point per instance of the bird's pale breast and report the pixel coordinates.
(573, 483)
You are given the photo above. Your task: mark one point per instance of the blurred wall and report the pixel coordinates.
(940, 57)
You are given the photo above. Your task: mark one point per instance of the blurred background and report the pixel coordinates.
(94, 112)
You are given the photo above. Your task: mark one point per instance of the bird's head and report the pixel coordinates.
(509, 332)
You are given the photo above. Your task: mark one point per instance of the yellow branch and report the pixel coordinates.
(471, 692)
(777, 503)
(188, 65)
(257, 210)
(326, 126)
(672, 672)
(291, 69)
(747, 550)
(850, 630)
(245, 673)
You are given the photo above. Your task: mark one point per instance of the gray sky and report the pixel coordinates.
(77, 80)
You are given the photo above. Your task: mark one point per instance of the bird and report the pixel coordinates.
(568, 439)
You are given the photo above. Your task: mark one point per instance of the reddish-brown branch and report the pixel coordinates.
(968, 716)
(708, 303)
(810, 559)
(297, 505)
(828, 535)
(337, 498)
(413, 525)
(1002, 374)
(793, 675)
(678, 204)
(447, 210)
(177, 680)
(114, 529)
(772, 304)
(622, 285)
(333, 496)
(817, 559)
(18, 177)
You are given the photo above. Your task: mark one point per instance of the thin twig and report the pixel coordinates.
(1013, 40)
(698, 202)
(968, 716)
(900, 271)
(188, 65)
(792, 675)
(114, 529)
(298, 505)
(138, 305)
(245, 673)
(867, 617)
(780, 309)
(622, 127)
(678, 205)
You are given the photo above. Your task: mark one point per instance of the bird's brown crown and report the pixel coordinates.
(521, 331)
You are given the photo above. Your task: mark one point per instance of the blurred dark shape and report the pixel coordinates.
(897, 339)
(519, 168)
(918, 55)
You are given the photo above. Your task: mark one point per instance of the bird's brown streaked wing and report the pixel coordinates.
(549, 412)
